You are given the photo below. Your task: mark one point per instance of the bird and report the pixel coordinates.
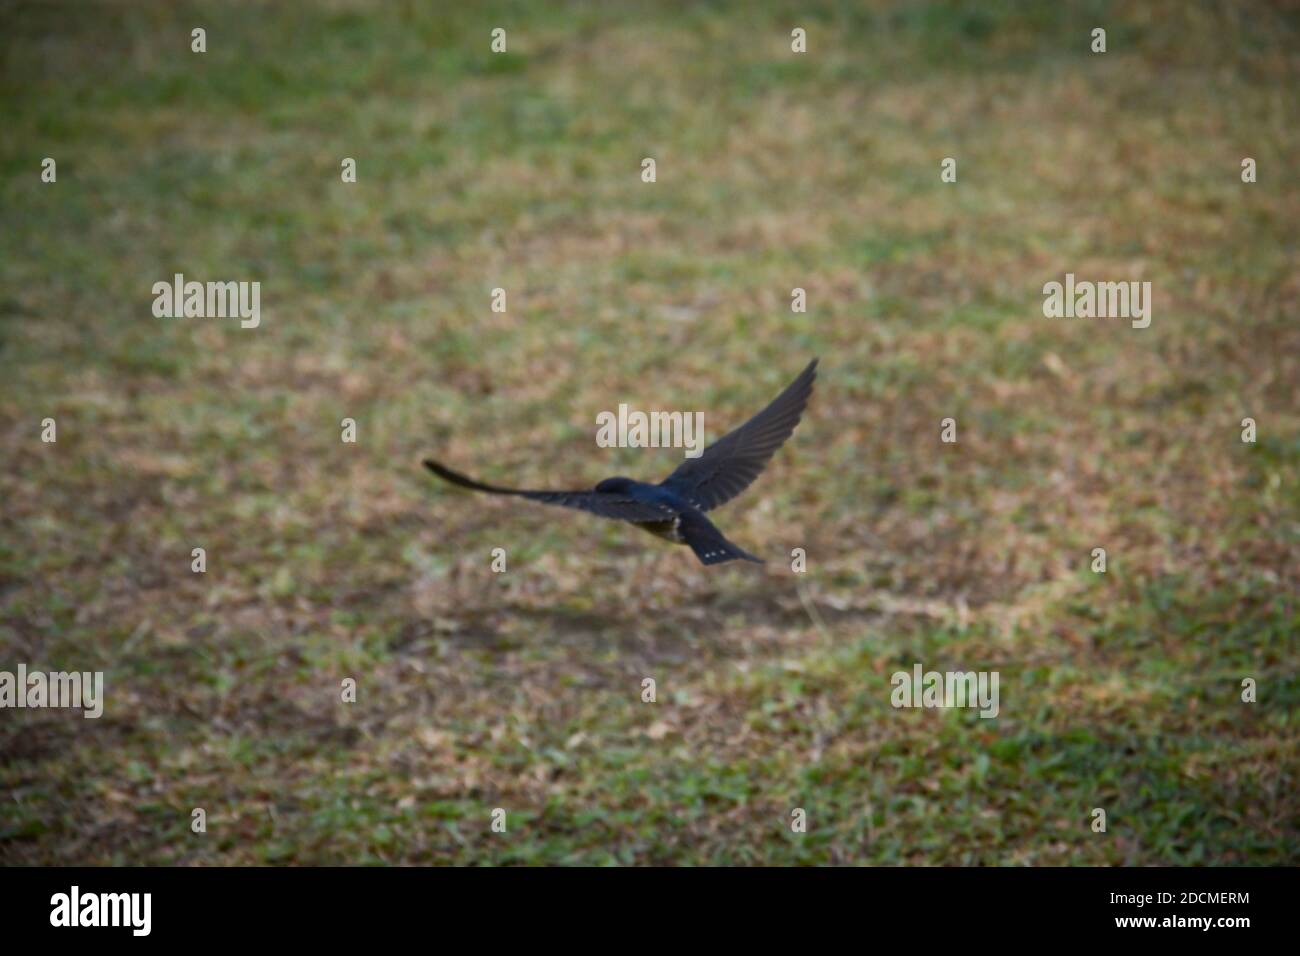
(674, 509)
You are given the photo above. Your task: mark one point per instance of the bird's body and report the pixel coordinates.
(674, 508)
(669, 528)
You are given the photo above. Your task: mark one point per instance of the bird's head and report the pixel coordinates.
(614, 485)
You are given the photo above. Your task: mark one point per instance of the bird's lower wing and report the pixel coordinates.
(616, 506)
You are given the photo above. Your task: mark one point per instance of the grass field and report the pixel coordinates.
(522, 690)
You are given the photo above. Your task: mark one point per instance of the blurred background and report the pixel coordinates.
(522, 690)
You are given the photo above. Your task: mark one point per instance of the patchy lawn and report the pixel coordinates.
(522, 690)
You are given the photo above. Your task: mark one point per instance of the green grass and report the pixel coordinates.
(522, 690)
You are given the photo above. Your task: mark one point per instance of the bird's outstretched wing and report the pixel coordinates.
(607, 505)
(731, 463)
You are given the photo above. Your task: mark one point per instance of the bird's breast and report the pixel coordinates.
(670, 530)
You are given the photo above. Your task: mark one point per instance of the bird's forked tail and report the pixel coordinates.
(708, 543)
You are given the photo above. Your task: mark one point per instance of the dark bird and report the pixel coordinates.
(674, 509)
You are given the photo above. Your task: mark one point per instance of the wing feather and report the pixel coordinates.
(731, 464)
(607, 505)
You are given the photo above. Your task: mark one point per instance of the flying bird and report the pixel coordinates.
(674, 509)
